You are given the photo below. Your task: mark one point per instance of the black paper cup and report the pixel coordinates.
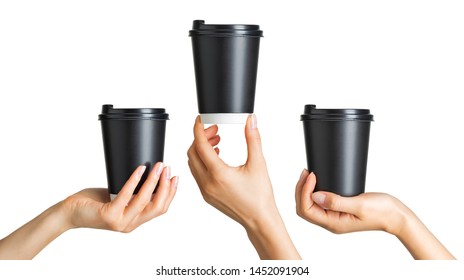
(131, 137)
(337, 144)
(226, 65)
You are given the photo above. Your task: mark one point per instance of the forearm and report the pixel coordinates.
(27, 241)
(271, 239)
(420, 241)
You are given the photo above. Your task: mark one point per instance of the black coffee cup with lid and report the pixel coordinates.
(226, 65)
(337, 144)
(131, 137)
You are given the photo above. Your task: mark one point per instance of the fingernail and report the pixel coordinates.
(319, 198)
(302, 174)
(168, 172)
(254, 121)
(309, 176)
(159, 170)
(176, 182)
(141, 171)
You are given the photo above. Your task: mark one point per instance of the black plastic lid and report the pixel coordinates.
(108, 112)
(311, 113)
(224, 30)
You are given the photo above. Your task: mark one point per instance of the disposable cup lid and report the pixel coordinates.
(108, 112)
(311, 113)
(225, 30)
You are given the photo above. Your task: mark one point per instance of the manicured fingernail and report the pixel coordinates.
(254, 121)
(141, 171)
(319, 198)
(168, 172)
(176, 182)
(159, 170)
(303, 173)
(309, 176)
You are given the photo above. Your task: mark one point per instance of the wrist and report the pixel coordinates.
(402, 219)
(270, 237)
(419, 241)
(260, 224)
(62, 217)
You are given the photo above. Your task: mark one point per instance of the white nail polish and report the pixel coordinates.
(302, 174)
(176, 182)
(141, 171)
(319, 198)
(168, 172)
(254, 121)
(159, 170)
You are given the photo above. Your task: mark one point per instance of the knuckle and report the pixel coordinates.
(334, 203)
(127, 230)
(206, 196)
(114, 225)
(158, 209)
(299, 212)
(189, 152)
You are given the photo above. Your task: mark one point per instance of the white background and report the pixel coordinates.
(61, 60)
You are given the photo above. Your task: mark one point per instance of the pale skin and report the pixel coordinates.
(92, 208)
(368, 211)
(243, 193)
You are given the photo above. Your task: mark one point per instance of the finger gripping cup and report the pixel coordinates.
(131, 137)
(337, 144)
(226, 65)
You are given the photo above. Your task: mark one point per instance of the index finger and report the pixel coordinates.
(125, 195)
(312, 212)
(299, 186)
(205, 151)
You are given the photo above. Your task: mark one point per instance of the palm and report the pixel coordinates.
(93, 208)
(337, 222)
(363, 215)
(87, 206)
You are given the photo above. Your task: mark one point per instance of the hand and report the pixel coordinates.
(92, 208)
(243, 193)
(338, 214)
(368, 211)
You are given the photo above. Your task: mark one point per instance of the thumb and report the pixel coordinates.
(253, 140)
(335, 202)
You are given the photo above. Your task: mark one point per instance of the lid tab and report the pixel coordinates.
(312, 113)
(109, 112)
(200, 28)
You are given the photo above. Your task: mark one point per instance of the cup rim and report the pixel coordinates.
(224, 30)
(111, 113)
(313, 113)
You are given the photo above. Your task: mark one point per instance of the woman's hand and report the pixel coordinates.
(243, 193)
(91, 208)
(368, 211)
(338, 214)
